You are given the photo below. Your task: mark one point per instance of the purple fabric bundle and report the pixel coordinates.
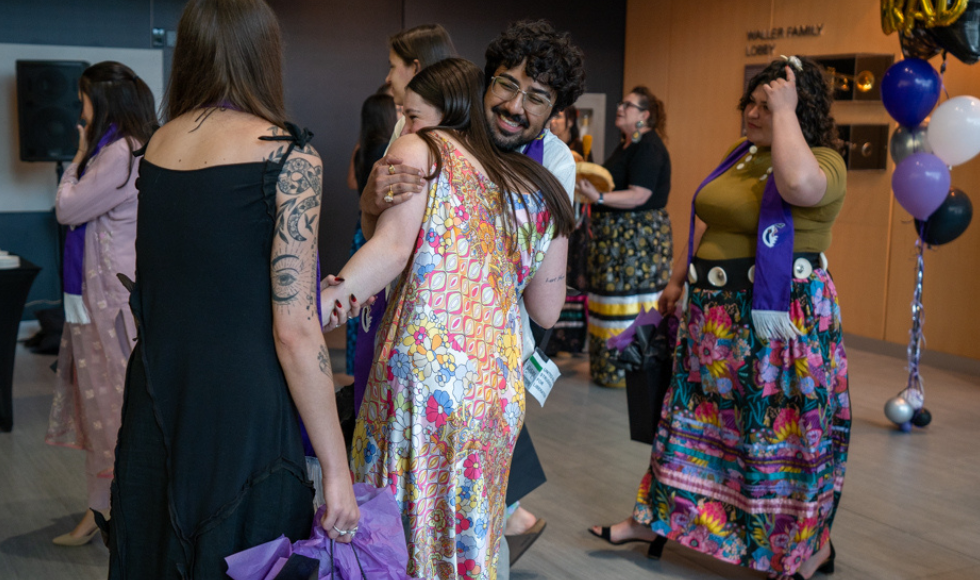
(379, 544)
(623, 339)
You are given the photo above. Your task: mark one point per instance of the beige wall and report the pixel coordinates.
(693, 56)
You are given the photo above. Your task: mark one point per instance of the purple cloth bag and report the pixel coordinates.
(379, 544)
(623, 339)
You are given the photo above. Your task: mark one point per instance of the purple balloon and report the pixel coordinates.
(910, 90)
(920, 183)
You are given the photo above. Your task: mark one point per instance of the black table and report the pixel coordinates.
(14, 287)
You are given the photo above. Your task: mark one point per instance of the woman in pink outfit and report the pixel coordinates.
(97, 200)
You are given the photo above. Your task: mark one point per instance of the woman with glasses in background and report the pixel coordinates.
(631, 248)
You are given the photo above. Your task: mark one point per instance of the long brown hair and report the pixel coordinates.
(455, 87)
(121, 102)
(428, 43)
(658, 113)
(228, 53)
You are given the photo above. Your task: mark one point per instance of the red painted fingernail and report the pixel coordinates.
(339, 305)
(339, 280)
(353, 298)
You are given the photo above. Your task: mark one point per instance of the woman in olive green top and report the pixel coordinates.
(749, 458)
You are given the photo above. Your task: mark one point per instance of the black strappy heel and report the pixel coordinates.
(657, 548)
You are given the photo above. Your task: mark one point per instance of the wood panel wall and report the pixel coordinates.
(693, 56)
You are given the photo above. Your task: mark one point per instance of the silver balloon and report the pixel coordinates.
(908, 140)
(898, 410)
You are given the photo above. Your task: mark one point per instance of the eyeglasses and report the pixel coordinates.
(627, 104)
(533, 103)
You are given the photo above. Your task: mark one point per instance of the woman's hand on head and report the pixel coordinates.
(390, 183)
(781, 94)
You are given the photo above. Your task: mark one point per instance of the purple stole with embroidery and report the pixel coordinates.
(773, 256)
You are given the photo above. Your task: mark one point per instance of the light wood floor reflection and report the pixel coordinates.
(910, 509)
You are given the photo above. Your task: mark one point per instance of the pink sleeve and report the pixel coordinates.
(102, 188)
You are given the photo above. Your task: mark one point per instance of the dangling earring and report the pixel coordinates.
(635, 137)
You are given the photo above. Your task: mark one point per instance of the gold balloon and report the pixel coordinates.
(905, 15)
(865, 81)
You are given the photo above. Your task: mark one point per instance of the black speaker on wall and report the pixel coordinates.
(48, 108)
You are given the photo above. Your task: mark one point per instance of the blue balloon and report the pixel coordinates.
(910, 90)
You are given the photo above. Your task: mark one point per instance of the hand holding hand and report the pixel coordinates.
(781, 93)
(390, 183)
(329, 299)
(332, 308)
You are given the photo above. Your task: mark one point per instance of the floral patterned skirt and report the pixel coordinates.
(749, 459)
(628, 265)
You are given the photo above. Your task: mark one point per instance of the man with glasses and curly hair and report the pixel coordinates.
(532, 73)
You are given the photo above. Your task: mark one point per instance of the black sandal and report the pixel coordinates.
(656, 546)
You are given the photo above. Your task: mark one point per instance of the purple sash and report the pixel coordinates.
(73, 268)
(773, 256)
(535, 149)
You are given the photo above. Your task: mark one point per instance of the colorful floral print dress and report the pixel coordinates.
(749, 460)
(445, 400)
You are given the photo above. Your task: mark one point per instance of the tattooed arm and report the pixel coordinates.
(545, 293)
(296, 328)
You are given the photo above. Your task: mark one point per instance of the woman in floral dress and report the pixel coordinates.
(445, 400)
(748, 464)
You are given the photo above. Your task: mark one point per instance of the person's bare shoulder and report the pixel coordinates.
(412, 150)
(198, 139)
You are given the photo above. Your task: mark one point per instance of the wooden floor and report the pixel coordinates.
(910, 509)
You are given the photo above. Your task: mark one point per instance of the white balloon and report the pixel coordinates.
(954, 130)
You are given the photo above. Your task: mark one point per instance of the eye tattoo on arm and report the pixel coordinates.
(286, 274)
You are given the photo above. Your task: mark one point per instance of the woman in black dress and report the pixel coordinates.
(210, 457)
(630, 249)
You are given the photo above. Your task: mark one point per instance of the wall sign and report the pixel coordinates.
(771, 34)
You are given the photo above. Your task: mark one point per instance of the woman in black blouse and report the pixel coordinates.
(631, 250)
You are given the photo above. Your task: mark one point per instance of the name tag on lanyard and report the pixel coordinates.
(540, 374)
